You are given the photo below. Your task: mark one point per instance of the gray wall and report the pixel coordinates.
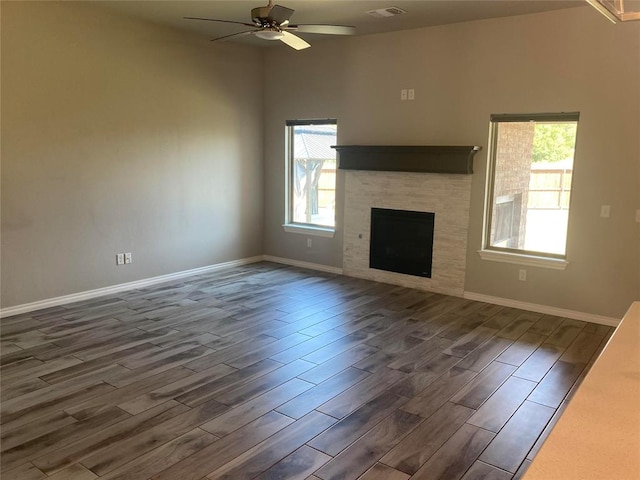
(118, 135)
(568, 60)
(122, 136)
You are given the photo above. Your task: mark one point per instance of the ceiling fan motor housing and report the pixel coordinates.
(260, 15)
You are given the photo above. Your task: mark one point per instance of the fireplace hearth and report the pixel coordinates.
(401, 241)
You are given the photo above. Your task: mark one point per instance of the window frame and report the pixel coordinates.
(514, 255)
(290, 225)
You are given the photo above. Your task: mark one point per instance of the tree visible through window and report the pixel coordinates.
(529, 189)
(312, 172)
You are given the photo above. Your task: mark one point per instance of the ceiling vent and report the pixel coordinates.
(386, 12)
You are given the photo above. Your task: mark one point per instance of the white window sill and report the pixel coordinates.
(309, 230)
(521, 259)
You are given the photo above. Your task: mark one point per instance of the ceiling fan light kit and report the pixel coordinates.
(271, 22)
(269, 34)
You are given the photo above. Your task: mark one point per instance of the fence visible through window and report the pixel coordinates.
(312, 172)
(550, 188)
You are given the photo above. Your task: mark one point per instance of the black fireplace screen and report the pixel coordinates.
(401, 241)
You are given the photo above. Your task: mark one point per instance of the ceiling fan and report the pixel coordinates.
(271, 22)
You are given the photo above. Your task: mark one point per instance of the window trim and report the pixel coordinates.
(308, 229)
(289, 225)
(504, 254)
(524, 259)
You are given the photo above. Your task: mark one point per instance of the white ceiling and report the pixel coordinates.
(420, 13)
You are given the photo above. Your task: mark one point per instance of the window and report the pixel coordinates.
(311, 186)
(529, 187)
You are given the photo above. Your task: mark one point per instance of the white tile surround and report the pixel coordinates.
(446, 195)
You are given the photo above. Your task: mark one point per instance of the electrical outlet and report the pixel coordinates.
(522, 275)
(309, 243)
(127, 258)
(411, 94)
(403, 94)
(120, 259)
(605, 211)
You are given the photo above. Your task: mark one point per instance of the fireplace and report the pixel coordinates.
(401, 241)
(414, 179)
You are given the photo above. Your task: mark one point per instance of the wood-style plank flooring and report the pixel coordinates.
(273, 372)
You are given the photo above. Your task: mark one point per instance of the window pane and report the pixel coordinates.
(313, 174)
(533, 166)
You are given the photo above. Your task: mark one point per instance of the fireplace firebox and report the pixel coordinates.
(402, 241)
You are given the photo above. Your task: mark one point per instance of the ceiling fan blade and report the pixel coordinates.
(222, 21)
(280, 14)
(239, 34)
(324, 29)
(294, 41)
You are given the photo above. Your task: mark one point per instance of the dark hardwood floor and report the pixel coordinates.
(274, 372)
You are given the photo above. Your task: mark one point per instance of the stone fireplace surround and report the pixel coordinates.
(447, 195)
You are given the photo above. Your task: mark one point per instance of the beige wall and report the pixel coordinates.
(568, 60)
(121, 136)
(118, 135)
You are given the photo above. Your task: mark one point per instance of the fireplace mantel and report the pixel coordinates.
(407, 158)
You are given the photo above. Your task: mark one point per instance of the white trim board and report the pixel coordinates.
(89, 294)
(100, 292)
(308, 265)
(505, 302)
(534, 307)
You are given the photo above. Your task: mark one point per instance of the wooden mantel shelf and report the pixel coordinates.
(407, 158)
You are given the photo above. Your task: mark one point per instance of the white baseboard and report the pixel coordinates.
(534, 307)
(297, 263)
(100, 292)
